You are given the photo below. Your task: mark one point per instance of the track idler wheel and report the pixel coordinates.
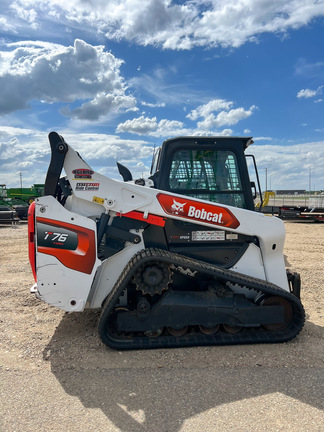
(143, 308)
(231, 329)
(154, 333)
(209, 330)
(288, 313)
(177, 332)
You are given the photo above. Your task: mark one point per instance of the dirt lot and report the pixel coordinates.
(56, 375)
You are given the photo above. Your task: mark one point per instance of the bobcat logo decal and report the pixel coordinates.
(177, 207)
(202, 212)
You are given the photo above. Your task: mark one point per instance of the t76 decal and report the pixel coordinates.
(195, 210)
(74, 246)
(56, 237)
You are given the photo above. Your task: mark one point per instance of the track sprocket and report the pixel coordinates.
(153, 278)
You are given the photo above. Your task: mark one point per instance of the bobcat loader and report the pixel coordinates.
(179, 259)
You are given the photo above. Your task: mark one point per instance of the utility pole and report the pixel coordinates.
(310, 180)
(20, 176)
(266, 172)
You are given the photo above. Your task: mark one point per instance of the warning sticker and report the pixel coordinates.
(98, 200)
(208, 235)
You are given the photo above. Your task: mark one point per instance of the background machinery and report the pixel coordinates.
(27, 195)
(17, 205)
(179, 259)
(313, 212)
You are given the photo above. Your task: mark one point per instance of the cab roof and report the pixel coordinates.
(217, 140)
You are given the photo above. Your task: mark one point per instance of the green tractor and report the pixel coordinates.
(27, 195)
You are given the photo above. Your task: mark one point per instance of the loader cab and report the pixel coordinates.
(209, 168)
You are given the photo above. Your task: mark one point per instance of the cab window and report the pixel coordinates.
(212, 175)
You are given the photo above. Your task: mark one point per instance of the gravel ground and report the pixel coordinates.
(55, 374)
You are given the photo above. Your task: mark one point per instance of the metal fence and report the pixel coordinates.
(296, 200)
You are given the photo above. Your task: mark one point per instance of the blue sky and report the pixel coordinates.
(116, 78)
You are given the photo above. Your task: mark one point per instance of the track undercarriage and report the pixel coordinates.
(163, 299)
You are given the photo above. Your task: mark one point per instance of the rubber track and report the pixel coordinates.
(245, 336)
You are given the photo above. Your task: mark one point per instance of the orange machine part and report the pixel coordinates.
(151, 219)
(81, 259)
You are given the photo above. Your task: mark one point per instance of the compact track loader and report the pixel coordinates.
(178, 259)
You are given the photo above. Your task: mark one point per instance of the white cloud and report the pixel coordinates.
(225, 115)
(101, 105)
(6, 26)
(289, 165)
(159, 86)
(55, 73)
(150, 126)
(28, 151)
(309, 70)
(262, 138)
(225, 118)
(22, 150)
(165, 23)
(153, 105)
(140, 126)
(307, 93)
(171, 128)
(210, 125)
(213, 105)
(25, 13)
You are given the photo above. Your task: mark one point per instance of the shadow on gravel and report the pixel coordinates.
(158, 390)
